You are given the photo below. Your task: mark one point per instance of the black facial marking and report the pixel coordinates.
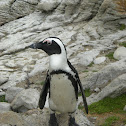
(50, 47)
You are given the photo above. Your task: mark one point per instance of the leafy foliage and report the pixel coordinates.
(110, 55)
(2, 98)
(122, 27)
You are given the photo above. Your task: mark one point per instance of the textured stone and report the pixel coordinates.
(87, 57)
(48, 5)
(124, 109)
(101, 78)
(25, 100)
(3, 80)
(11, 93)
(120, 53)
(114, 89)
(4, 106)
(99, 60)
(37, 117)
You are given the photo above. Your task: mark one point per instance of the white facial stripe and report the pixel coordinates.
(46, 41)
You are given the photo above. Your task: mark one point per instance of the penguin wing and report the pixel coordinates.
(44, 92)
(80, 85)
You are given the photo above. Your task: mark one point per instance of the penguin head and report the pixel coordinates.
(51, 45)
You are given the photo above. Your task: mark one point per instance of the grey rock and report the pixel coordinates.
(99, 60)
(11, 10)
(25, 100)
(120, 53)
(3, 80)
(101, 78)
(48, 5)
(2, 93)
(11, 93)
(124, 108)
(87, 57)
(39, 117)
(97, 90)
(4, 106)
(114, 89)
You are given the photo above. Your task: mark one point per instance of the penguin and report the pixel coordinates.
(61, 81)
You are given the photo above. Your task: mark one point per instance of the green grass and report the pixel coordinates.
(91, 64)
(2, 98)
(124, 121)
(110, 55)
(108, 105)
(94, 71)
(80, 107)
(122, 26)
(42, 83)
(85, 71)
(123, 44)
(110, 120)
(87, 93)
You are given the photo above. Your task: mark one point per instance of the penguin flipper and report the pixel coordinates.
(80, 85)
(83, 95)
(44, 92)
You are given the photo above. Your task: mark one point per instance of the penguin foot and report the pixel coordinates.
(53, 120)
(72, 122)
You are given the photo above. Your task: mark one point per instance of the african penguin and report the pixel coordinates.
(62, 80)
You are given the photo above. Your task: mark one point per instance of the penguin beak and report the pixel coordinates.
(33, 46)
(36, 46)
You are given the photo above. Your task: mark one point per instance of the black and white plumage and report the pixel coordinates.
(62, 79)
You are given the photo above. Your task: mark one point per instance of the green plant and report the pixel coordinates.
(109, 105)
(124, 121)
(2, 98)
(85, 71)
(42, 83)
(122, 26)
(91, 64)
(87, 93)
(110, 55)
(94, 71)
(80, 107)
(110, 120)
(123, 44)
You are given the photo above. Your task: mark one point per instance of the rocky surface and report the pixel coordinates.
(120, 53)
(90, 29)
(37, 117)
(11, 93)
(4, 106)
(25, 100)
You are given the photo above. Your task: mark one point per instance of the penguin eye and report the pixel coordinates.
(49, 42)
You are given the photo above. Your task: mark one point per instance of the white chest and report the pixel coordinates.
(62, 94)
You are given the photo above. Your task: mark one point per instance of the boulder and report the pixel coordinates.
(108, 73)
(2, 93)
(124, 109)
(4, 106)
(38, 117)
(3, 80)
(25, 100)
(48, 5)
(120, 53)
(86, 58)
(11, 93)
(99, 60)
(114, 89)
